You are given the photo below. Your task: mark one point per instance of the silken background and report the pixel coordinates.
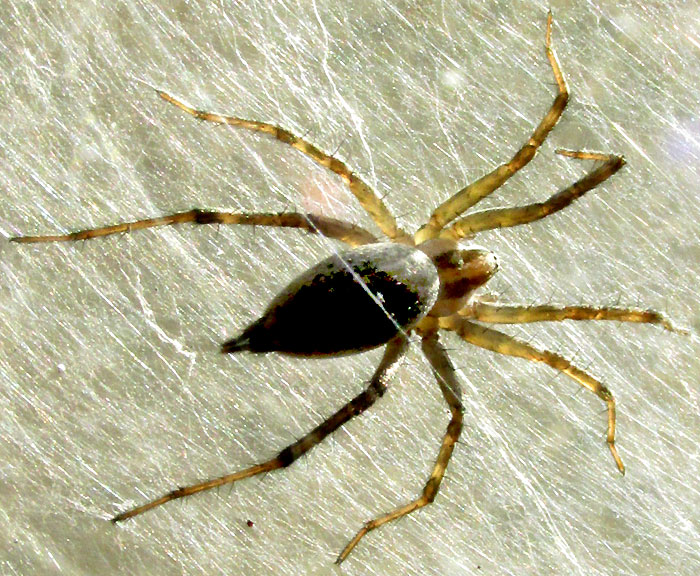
(111, 385)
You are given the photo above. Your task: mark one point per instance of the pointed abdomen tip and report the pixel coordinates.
(235, 345)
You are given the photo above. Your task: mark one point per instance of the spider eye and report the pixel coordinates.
(479, 264)
(449, 259)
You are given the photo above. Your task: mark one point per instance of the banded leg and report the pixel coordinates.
(368, 198)
(470, 195)
(502, 314)
(501, 343)
(393, 354)
(349, 233)
(445, 374)
(507, 217)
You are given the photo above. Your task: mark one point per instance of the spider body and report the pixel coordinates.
(379, 293)
(360, 299)
(327, 310)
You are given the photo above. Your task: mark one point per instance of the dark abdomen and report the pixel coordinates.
(347, 303)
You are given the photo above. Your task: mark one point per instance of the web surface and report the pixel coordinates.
(112, 387)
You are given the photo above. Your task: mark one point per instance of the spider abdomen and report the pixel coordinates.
(352, 301)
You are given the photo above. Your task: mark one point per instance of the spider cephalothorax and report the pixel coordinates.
(379, 293)
(461, 269)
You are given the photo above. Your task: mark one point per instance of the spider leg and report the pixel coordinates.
(349, 233)
(367, 197)
(503, 314)
(476, 191)
(445, 374)
(501, 343)
(393, 354)
(507, 217)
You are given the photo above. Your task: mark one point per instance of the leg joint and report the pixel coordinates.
(287, 456)
(431, 489)
(205, 216)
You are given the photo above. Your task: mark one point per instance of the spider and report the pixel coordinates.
(380, 293)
